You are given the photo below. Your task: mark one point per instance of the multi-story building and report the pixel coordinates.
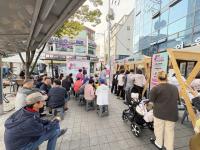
(161, 24)
(122, 37)
(81, 48)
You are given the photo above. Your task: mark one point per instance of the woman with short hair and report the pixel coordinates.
(164, 97)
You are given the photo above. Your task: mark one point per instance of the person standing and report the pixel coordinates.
(80, 75)
(129, 83)
(114, 83)
(139, 82)
(121, 79)
(25, 130)
(103, 74)
(165, 97)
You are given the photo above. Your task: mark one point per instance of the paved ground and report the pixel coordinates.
(86, 131)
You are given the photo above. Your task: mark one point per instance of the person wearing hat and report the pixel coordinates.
(22, 93)
(195, 140)
(25, 130)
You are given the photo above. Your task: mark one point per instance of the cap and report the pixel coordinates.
(34, 98)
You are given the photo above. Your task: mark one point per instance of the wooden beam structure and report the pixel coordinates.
(188, 55)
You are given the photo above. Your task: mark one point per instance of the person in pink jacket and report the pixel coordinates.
(89, 91)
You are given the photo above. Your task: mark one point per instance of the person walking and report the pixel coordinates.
(25, 130)
(121, 79)
(165, 97)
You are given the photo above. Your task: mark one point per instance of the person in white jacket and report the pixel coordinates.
(102, 93)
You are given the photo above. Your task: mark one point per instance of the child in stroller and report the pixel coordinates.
(139, 113)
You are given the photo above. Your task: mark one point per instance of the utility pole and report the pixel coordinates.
(109, 47)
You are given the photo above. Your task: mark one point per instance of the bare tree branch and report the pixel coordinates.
(38, 56)
(22, 59)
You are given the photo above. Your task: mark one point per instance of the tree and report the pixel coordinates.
(29, 64)
(72, 27)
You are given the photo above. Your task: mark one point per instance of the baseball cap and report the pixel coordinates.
(34, 98)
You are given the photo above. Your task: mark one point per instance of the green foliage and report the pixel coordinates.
(74, 25)
(70, 28)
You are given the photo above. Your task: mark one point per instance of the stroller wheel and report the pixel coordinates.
(135, 128)
(124, 117)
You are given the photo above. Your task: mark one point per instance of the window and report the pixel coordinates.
(178, 11)
(164, 19)
(177, 26)
(155, 24)
(186, 36)
(162, 47)
(196, 33)
(197, 4)
(163, 33)
(197, 18)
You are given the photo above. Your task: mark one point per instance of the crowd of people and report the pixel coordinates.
(29, 126)
(123, 81)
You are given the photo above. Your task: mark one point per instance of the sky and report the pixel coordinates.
(124, 8)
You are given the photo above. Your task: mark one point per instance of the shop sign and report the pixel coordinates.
(182, 44)
(159, 63)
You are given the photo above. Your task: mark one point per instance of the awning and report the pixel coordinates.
(28, 24)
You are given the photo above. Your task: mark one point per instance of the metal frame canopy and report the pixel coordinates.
(188, 54)
(28, 24)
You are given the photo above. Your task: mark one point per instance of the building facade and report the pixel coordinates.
(63, 51)
(161, 24)
(122, 37)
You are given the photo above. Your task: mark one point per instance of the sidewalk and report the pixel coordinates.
(86, 131)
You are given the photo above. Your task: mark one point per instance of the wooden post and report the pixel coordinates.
(193, 73)
(186, 98)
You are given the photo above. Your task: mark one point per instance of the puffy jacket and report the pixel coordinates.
(57, 96)
(24, 127)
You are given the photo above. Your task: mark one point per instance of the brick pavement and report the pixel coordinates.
(86, 131)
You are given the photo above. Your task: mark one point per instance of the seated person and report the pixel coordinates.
(46, 86)
(89, 92)
(57, 95)
(102, 93)
(77, 85)
(26, 130)
(22, 94)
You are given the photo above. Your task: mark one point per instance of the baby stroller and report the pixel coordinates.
(138, 117)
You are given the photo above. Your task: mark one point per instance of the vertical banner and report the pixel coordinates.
(159, 63)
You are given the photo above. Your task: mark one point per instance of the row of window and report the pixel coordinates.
(175, 19)
(187, 37)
